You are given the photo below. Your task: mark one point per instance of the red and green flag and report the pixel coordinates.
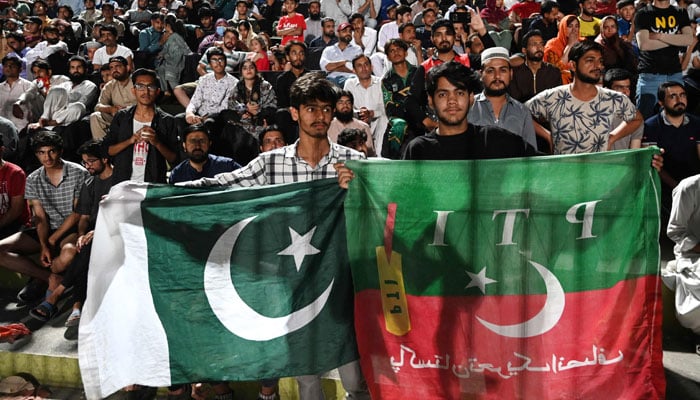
(188, 285)
(532, 278)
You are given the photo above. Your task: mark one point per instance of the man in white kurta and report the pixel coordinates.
(684, 230)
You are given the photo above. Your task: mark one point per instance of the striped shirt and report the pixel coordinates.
(57, 201)
(281, 166)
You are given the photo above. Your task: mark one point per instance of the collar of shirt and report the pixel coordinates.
(64, 173)
(686, 119)
(291, 158)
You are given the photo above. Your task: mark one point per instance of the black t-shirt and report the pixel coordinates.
(90, 195)
(670, 20)
(477, 143)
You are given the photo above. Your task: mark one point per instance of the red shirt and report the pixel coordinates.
(295, 21)
(526, 8)
(434, 62)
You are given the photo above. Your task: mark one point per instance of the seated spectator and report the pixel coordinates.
(344, 118)
(14, 212)
(496, 19)
(149, 42)
(108, 37)
(523, 10)
(355, 139)
(109, 20)
(51, 44)
(116, 95)
(681, 275)
(32, 31)
(620, 80)
(368, 98)
(616, 52)
(362, 35)
(590, 25)
(213, 91)
(259, 49)
(217, 36)
(200, 163)
(336, 59)
(271, 138)
(625, 20)
(556, 51)
(52, 191)
(11, 90)
(89, 14)
(139, 18)
(246, 33)
(17, 47)
(327, 37)
(547, 21)
(253, 99)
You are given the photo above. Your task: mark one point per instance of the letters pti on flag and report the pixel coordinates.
(188, 285)
(529, 278)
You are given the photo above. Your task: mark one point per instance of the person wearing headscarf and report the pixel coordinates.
(556, 51)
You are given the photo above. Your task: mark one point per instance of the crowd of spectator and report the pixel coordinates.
(171, 91)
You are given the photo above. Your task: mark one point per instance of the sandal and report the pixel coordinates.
(73, 318)
(44, 311)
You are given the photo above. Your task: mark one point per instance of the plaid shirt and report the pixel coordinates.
(57, 201)
(281, 166)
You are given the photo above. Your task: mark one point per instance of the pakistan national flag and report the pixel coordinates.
(508, 279)
(188, 285)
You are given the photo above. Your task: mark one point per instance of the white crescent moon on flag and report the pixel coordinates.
(548, 316)
(228, 306)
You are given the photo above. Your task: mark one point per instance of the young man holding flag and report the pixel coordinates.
(311, 157)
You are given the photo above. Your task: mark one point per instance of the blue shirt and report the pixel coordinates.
(184, 172)
(149, 40)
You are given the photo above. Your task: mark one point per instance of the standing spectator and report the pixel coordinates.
(292, 25)
(660, 29)
(534, 75)
(296, 55)
(171, 60)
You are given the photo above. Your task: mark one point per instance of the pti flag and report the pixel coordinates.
(188, 285)
(531, 278)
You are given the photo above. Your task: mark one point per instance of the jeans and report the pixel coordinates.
(647, 86)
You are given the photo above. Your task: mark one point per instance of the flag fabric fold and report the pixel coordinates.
(533, 278)
(187, 285)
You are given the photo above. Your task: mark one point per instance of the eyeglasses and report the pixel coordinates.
(141, 87)
(89, 161)
(217, 61)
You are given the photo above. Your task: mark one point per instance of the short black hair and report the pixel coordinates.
(288, 46)
(403, 27)
(93, 147)
(396, 42)
(41, 64)
(214, 51)
(69, 8)
(17, 36)
(310, 87)
(442, 23)
(196, 128)
(46, 138)
(157, 15)
(349, 135)
(344, 93)
(355, 16)
(661, 93)
(359, 56)
(109, 28)
(457, 74)
(269, 128)
(614, 75)
(624, 3)
(548, 6)
(529, 34)
(402, 9)
(11, 58)
(80, 59)
(146, 72)
(583, 47)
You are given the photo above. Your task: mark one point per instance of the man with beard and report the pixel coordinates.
(344, 118)
(50, 45)
(116, 95)
(67, 102)
(534, 75)
(590, 25)
(149, 41)
(336, 60)
(582, 115)
(314, 26)
(369, 99)
(109, 20)
(17, 47)
(494, 107)
(233, 57)
(196, 143)
(443, 36)
(676, 131)
(108, 37)
(296, 55)
(328, 37)
(11, 90)
(547, 21)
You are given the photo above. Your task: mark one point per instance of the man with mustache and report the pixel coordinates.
(493, 106)
(200, 163)
(582, 115)
(344, 118)
(676, 131)
(534, 75)
(50, 45)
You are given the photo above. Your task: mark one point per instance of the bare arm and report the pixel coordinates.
(544, 134)
(41, 222)
(17, 205)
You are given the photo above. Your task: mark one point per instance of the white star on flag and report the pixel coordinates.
(300, 247)
(479, 280)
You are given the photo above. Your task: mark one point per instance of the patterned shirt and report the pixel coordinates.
(281, 166)
(581, 126)
(211, 95)
(57, 201)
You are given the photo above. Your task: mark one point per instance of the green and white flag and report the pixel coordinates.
(188, 285)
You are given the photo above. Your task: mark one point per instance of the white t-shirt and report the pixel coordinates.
(138, 161)
(101, 57)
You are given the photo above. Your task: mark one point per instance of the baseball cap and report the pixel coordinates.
(343, 26)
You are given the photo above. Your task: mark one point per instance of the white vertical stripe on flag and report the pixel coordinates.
(122, 340)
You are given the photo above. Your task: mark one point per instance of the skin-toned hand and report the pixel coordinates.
(345, 175)
(46, 258)
(84, 240)
(476, 23)
(657, 161)
(253, 108)
(194, 119)
(148, 135)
